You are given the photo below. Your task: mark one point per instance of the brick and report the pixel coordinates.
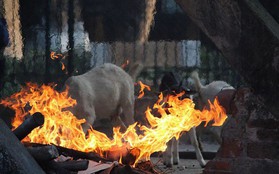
(263, 150)
(268, 134)
(231, 148)
(218, 166)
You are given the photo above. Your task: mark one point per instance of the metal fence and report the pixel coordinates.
(157, 58)
(58, 27)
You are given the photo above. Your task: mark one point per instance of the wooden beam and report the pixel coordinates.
(247, 36)
(264, 16)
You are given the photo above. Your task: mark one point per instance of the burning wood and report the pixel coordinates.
(64, 129)
(28, 125)
(146, 166)
(72, 161)
(43, 153)
(81, 155)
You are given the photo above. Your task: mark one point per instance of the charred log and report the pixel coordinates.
(71, 165)
(28, 125)
(43, 153)
(83, 155)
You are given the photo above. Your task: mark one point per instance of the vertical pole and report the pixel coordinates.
(47, 40)
(71, 21)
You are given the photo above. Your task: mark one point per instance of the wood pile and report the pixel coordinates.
(60, 160)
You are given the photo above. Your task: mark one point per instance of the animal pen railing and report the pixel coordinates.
(157, 57)
(61, 28)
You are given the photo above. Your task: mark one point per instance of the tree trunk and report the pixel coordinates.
(247, 35)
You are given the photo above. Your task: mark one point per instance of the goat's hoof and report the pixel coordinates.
(169, 165)
(176, 162)
(202, 164)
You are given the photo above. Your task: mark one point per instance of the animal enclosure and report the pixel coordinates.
(51, 41)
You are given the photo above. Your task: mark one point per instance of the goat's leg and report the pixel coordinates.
(167, 155)
(175, 152)
(194, 142)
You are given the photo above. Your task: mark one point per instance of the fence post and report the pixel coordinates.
(47, 40)
(71, 21)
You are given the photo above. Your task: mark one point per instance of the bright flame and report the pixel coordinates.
(54, 56)
(63, 66)
(142, 88)
(62, 128)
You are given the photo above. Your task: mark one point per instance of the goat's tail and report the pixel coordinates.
(135, 70)
(196, 78)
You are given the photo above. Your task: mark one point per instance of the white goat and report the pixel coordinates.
(219, 89)
(103, 93)
(170, 83)
(171, 155)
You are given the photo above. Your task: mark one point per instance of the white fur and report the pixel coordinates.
(171, 155)
(210, 91)
(103, 93)
(204, 93)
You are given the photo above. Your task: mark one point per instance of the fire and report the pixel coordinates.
(54, 56)
(63, 66)
(142, 88)
(62, 128)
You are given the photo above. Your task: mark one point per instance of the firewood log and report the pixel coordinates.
(43, 153)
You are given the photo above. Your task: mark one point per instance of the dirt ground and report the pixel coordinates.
(186, 166)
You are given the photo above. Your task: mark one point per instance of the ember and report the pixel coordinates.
(62, 128)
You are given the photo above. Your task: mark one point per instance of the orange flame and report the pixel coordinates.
(62, 128)
(142, 87)
(63, 66)
(54, 56)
